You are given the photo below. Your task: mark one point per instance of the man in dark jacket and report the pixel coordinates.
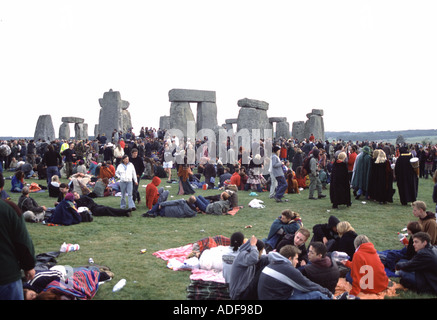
(138, 163)
(322, 270)
(420, 273)
(100, 210)
(16, 253)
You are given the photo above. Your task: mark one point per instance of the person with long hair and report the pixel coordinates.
(17, 182)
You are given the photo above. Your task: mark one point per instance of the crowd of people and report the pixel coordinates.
(107, 166)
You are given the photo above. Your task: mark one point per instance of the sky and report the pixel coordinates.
(370, 65)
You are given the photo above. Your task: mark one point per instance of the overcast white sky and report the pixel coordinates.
(370, 65)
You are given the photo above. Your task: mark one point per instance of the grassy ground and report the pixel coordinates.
(116, 241)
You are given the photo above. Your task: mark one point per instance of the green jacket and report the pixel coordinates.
(16, 247)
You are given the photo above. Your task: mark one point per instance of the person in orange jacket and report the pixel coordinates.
(367, 271)
(152, 194)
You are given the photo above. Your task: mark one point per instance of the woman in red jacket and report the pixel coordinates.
(367, 271)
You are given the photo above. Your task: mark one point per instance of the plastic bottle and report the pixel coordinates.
(403, 238)
(120, 284)
(339, 256)
(69, 247)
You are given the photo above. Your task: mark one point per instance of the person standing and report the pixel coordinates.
(127, 175)
(339, 190)
(69, 154)
(315, 183)
(16, 253)
(406, 178)
(278, 174)
(138, 163)
(381, 178)
(53, 160)
(361, 172)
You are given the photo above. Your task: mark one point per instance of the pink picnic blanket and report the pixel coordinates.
(207, 275)
(180, 253)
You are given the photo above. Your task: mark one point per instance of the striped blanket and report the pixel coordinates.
(82, 285)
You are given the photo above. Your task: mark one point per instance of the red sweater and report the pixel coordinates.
(366, 266)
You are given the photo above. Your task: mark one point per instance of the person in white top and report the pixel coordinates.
(127, 175)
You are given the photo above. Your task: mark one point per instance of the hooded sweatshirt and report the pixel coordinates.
(429, 225)
(367, 271)
(152, 193)
(243, 270)
(279, 279)
(324, 272)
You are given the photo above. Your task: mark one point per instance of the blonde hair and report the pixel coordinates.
(419, 205)
(381, 156)
(342, 156)
(343, 227)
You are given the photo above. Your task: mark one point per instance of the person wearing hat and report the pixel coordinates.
(315, 183)
(278, 173)
(339, 190)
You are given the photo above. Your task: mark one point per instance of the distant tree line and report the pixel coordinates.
(379, 135)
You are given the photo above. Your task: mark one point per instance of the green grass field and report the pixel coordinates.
(116, 241)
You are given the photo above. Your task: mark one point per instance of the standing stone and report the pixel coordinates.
(164, 122)
(81, 131)
(64, 131)
(206, 115)
(180, 114)
(298, 130)
(113, 113)
(314, 125)
(283, 129)
(44, 128)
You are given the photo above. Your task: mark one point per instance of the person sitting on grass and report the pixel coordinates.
(32, 211)
(420, 273)
(287, 223)
(17, 182)
(298, 239)
(321, 269)
(280, 280)
(367, 271)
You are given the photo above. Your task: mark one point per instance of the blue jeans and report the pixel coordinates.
(201, 203)
(312, 295)
(282, 186)
(408, 279)
(52, 171)
(126, 188)
(12, 291)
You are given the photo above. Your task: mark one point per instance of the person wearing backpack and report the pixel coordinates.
(315, 183)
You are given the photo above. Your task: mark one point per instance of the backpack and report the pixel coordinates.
(306, 165)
